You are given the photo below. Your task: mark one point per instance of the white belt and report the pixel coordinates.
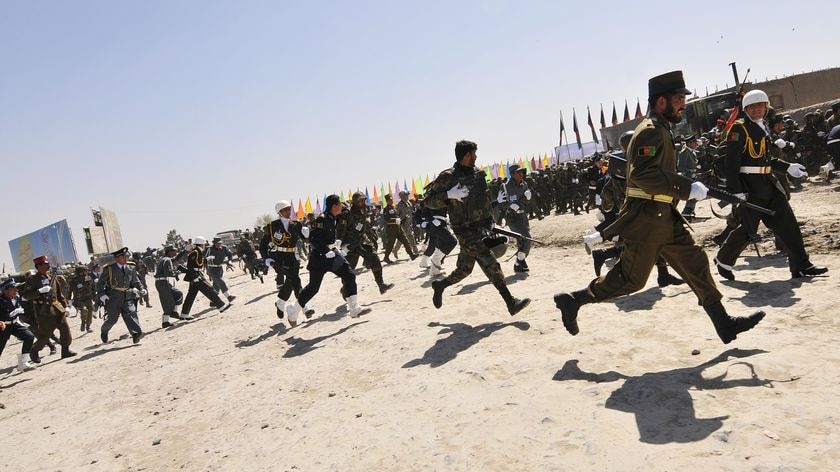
(833, 141)
(756, 169)
(164, 278)
(214, 265)
(438, 217)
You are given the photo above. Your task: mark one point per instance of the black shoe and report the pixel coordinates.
(385, 287)
(82, 328)
(516, 305)
(66, 352)
(810, 272)
(599, 257)
(280, 313)
(136, 337)
(224, 307)
(437, 297)
(520, 266)
(308, 312)
(104, 337)
(569, 307)
(165, 324)
(231, 298)
(727, 327)
(668, 279)
(34, 357)
(387, 261)
(52, 350)
(723, 271)
(412, 256)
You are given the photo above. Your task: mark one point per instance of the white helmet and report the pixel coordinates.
(754, 96)
(199, 240)
(281, 205)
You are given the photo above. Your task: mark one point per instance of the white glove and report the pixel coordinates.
(527, 194)
(135, 291)
(269, 261)
(797, 170)
(143, 292)
(305, 232)
(742, 196)
(514, 207)
(397, 220)
(44, 289)
(17, 311)
(424, 224)
(698, 191)
(780, 143)
(337, 243)
(436, 222)
(827, 168)
(329, 254)
(792, 144)
(103, 298)
(458, 192)
(344, 250)
(592, 239)
(599, 215)
(210, 258)
(67, 311)
(70, 304)
(501, 197)
(598, 200)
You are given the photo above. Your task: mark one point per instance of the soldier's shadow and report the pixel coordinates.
(643, 300)
(776, 293)
(99, 352)
(461, 337)
(276, 330)
(260, 297)
(510, 280)
(301, 346)
(767, 260)
(661, 401)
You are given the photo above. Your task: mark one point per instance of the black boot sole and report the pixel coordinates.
(569, 307)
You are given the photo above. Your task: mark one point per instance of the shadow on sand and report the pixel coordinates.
(461, 337)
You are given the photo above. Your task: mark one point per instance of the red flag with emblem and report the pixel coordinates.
(638, 109)
(626, 112)
(615, 116)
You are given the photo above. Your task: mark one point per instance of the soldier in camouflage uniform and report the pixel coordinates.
(358, 239)
(463, 191)
(82, 291)
(515, 195)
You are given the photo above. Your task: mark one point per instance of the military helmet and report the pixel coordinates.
(624, 140)
(496, 244)
(754, 96)
(281, 205)
(357, 195)
(199, 240)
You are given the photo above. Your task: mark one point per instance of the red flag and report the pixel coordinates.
(626, 112)
(591, 126)
(638, 109)
(603, 121)
(615, 116)
(575, 129)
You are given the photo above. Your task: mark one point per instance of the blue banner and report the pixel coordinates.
(54, 241)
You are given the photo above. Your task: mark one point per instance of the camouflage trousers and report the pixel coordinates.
(474, 250)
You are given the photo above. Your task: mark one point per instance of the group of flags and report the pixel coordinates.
(614, 121)
(416, 187)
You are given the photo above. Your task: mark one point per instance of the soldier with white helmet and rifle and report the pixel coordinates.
(278, 247)
(749, 174)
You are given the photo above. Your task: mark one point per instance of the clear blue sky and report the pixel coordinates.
(200, 115)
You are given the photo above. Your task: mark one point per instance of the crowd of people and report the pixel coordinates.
(635, 191)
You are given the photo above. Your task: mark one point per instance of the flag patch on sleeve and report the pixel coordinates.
(734, 136)
(647, 151)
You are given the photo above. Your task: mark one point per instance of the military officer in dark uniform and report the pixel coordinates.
(50, 309)
(165, 277)
(278, 247)
(82, 291)
(394, 230)
(195, 264)
(119, 289)
(11, 325)
(515, 196)
(463, 191)
(749, 173)
(325, 257)
(650, 222)
(217, 257)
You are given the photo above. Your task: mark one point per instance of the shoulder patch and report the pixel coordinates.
(734, 136)
(646, 151)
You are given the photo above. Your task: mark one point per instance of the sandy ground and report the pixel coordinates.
(646, 385)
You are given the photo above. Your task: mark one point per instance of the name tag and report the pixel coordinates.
(359, 226)
(78, 285)
(513, 198)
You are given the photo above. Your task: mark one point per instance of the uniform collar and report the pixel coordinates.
(660, 120)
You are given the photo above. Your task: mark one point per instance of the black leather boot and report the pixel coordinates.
(728, 327)
(437, 297)
(665, 278)
(569, 304)
(66, 352)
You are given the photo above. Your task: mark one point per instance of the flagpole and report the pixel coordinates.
(565, 136)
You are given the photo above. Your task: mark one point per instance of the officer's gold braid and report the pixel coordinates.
(749, 145)
(198, 255)
(281, 241)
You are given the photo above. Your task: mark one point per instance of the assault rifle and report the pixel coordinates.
(727, 197)
(513, 234)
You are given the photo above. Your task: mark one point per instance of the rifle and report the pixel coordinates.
(727, 197)
(513, 234)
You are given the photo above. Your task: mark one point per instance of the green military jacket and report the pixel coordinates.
(472, 210)
(652, 168)
(354, 228)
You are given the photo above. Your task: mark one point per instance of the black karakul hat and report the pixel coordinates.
(671, 82)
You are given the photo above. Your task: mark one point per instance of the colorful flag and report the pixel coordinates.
(390, 191)
(419, 185)
(300, 213)
(626, 112)
(591, 126)
(318, 209)
(375, 194)
(533, 165)
(426, 182)
(614, 117)
(638, 109)
(308, 207)
(382, 194)
(603, 122)
(576, 130)
(367, 196)
(396, 195)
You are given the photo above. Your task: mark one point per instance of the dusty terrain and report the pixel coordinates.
(646, 385)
